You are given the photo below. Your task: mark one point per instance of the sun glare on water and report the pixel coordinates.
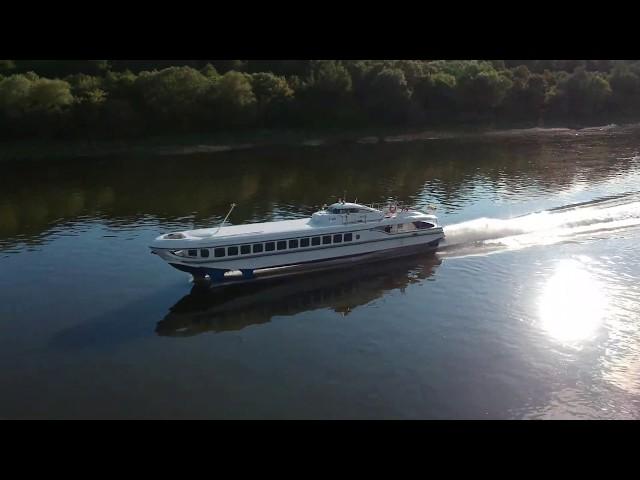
(573, 303)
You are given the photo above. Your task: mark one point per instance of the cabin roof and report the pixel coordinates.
(350, 205)
(253, 228)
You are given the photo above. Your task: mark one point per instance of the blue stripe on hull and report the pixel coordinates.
(216, 274)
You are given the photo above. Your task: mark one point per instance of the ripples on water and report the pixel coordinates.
(529, 309)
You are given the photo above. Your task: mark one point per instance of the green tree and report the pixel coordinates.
(325, 97)
(436, 94)
(46, 95)
(210, 72)
(536, 94)
(481, 88)
(273, 96)
(30, 105)
(525, 99)
(81, 84)
(388, 96)
(233, 100)
(580, 94)
(413, 70)
(174, 95)
(14, 95)
(88, 112)
(625, 89)
(121, 85)
(329, 78)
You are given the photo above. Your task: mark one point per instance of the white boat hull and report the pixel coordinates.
(343, 232)
(321, 257)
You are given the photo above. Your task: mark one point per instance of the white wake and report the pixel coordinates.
(569, 223)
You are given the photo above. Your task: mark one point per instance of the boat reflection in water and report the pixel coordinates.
(234, 307)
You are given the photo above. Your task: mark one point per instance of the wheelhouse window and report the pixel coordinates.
(193, 253)
(270, 246)
(282, 244)
(293, 243)
(219, 252)
(423, 225)
(204, 252)
(348, 237)
(304, 242)
(257, 247)
(244, 249)
(315, 241)
(231, 251)
(326, 240)
(337, 238)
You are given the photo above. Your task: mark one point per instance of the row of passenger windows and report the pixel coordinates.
(271, 246)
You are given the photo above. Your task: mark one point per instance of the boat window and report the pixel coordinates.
(244, 249)
(219, 252)
(348, 237)
(282, 244)
(304, 242)
(326, 239)
(232, 251)
(387, 229)
(257, 247)
(315, 241)
(293, 243)
(204, 252)
(357, 237)
(270, 246)
(193, 253)
(337, 238)
(354, 210)
(422, 225)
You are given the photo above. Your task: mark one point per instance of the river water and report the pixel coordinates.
(530, 309)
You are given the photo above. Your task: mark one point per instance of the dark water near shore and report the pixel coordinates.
(530, 309)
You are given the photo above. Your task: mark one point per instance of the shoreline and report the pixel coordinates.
(225, 142)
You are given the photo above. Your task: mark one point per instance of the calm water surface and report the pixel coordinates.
(530, 309)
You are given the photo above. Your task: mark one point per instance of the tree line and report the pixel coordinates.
(125, 99)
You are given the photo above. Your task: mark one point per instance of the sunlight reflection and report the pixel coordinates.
(573, 303)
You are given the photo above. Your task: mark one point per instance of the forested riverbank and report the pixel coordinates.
(222, 103)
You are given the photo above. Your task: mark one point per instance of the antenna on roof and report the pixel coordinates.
(225, 218)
